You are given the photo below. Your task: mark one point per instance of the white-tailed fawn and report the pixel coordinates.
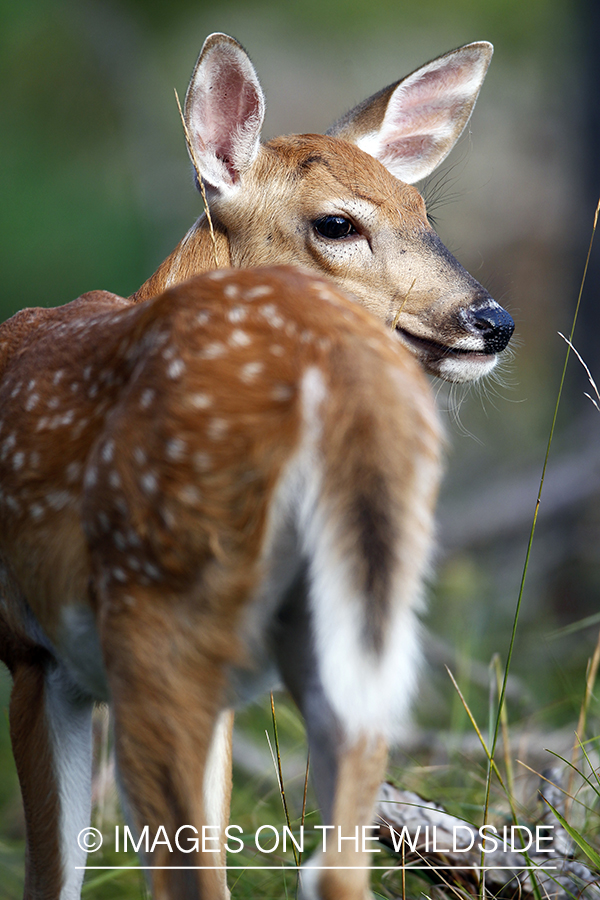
(229, 479)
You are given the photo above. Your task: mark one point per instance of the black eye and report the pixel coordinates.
(334, 227)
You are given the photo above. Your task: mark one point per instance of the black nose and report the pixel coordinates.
(493, 324)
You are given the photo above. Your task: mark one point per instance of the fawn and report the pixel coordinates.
(236, 478)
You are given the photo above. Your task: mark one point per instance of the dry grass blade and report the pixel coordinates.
(589, 687)
(280, 775)
(588, 373)
(476, 727)
(200, 181)
(402, 305)
(504, 724)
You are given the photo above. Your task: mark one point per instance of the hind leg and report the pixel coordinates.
(346, 771)
(165, 672)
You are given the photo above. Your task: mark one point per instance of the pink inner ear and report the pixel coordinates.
(227, 103)
(431, 102)
(454, 77)
(419, 117)
(412, 147)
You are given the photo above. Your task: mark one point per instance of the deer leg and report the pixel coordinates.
(217, 787)
(50, 724)
(346, 772)
(170, 733)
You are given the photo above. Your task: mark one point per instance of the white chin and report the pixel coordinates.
(465, 368)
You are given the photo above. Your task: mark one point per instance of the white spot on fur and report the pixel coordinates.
(261, 290)
(237, 314)
(108, 451)
(239, 338)
(212, 350)
(176, 369)
(200, 401)
(175, 449)
(149, 483)
(8, 445)
(270, 312)
(147, 396)
(151, 570)
(12, 503)
(36, 511)
(250, 371)
(134, 538)
(91, 477)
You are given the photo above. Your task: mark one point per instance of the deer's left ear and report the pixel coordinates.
(412, 125)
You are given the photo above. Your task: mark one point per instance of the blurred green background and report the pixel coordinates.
(96, 189)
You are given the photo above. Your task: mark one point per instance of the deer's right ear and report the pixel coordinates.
(412, 125)
(224, 112)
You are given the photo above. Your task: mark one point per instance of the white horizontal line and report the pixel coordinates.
(330, 868)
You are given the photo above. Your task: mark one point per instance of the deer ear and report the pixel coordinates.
(224, 112)
(412, 125)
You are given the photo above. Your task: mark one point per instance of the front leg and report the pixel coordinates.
(51, 733)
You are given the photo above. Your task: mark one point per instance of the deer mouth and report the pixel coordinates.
(449, 363)
(438, 350)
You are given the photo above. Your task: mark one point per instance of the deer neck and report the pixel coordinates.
(195, 253)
